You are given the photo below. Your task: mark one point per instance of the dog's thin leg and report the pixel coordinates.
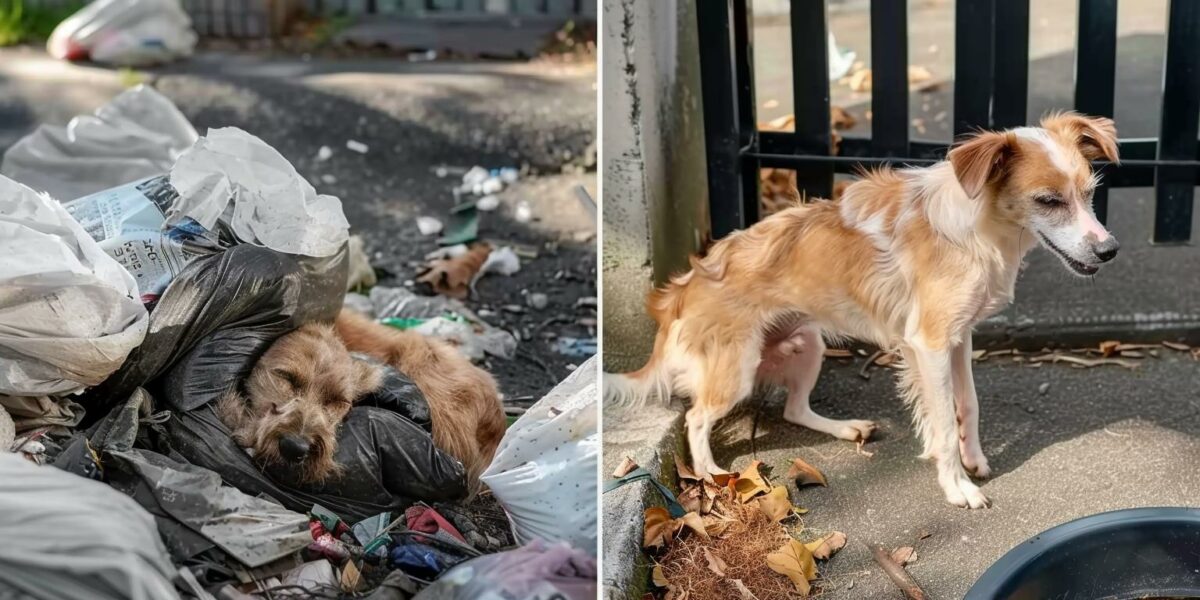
(967, 404)
(801, 376)
(937, 397)
(725, 377)
(700, 423)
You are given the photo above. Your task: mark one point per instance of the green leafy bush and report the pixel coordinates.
(29, 21)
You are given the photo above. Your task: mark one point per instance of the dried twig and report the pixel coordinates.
(864, 372)
(1085, 362)
(897, 574)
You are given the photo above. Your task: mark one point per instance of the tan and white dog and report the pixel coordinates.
(908, 259)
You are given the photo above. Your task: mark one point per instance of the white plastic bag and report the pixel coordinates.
(69, 313)
(544, 473)
(129, 33)
(235, 177)
(138, 134)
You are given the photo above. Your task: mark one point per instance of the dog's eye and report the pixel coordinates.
(288, 377)
(1048, 200)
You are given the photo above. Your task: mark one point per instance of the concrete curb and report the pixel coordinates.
(651, 436)
(1035, 334)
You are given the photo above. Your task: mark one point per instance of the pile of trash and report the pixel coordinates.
(134, 305)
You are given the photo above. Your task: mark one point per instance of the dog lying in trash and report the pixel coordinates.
(288, 410)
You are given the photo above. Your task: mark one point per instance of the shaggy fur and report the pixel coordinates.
(289, 408)
(908, 259)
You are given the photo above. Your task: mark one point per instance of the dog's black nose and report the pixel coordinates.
(293, 449)
(1106, 250)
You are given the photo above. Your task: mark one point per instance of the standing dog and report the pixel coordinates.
(908, 259)
(289, 408)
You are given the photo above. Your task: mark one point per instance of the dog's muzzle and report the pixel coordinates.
(293, 449)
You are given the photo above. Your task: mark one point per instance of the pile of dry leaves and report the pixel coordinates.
(732, 543)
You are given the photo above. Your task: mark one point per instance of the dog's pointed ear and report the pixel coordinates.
(1095, 136)
(981, 159)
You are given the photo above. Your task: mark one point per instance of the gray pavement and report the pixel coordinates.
(1099, 439)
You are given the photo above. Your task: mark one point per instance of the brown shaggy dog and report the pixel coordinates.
(289, 408)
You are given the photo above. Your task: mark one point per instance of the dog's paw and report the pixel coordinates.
(856, 430)
(976, 464)
(964, 494)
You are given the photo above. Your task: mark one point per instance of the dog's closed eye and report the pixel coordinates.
(288, 377)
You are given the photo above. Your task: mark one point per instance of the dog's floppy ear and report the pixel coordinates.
(981, 159)
(1095, 136)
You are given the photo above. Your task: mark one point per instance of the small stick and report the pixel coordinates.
(897, 574)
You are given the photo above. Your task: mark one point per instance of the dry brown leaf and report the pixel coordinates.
(723, 479)
(918, 74)
(860, 81)
(776, 505)
(351, 578)
(715, 564)
(691, 521)
(904, 555)
(624, 468)
(840, 118)
(827, 545)
(656, 576)
(452, 276)
(838, 353)
(750, 483)
(1177, 346)
(924, 534)
(684, 471)
(1107, 348)
(805, 474)
(658, 527)
(692, 499)
(742, 590)
(794, 560)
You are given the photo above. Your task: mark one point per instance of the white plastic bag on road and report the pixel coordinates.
(69, 313)
(128, 33)
(236, 177)
(139, 134)
(544, 473)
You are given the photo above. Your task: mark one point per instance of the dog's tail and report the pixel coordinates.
(654, 380)
(464, 402)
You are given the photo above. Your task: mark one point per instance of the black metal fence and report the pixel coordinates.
(990, 92)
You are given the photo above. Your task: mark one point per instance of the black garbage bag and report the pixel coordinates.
(210, 327)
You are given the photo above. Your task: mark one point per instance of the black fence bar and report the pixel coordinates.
(1174, 186)
(714, 20)
(1011, 65)
(889, 77)
(743, 39)
(973, 20)
(810, 94)
(1095, 73)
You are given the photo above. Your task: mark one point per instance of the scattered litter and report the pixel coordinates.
(840, 62)
(359, 273)
(83, 158)
(488, 203)
(897, 574)
(502, 261)
(524, 212)
(537, 301)
(463, 229)
(1043, 388)
(324, 153)
(429, 225)
(575, 347)
(128, 33)
(586, 302)
(357, 146)
(544, 473)
(805, 474)
(464, 329)
(536, 570)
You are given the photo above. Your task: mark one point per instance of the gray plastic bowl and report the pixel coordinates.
(1119, 555)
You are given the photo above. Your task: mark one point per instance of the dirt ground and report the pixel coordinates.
(414, 118)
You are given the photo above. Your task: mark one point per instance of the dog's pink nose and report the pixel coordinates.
(293, 449)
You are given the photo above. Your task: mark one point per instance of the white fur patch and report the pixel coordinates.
(1057, 157)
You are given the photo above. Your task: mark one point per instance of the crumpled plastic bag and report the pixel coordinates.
(129, 33)
(69, 313)
(269, 203)
(544, 473)
(474, 337)
(69, 537)
(138, 134)
(537, 570)
(210, 327)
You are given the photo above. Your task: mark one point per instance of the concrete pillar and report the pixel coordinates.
(655, 189)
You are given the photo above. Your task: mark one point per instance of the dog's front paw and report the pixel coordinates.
(962, 493)
(976, 464)
(856, 430)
